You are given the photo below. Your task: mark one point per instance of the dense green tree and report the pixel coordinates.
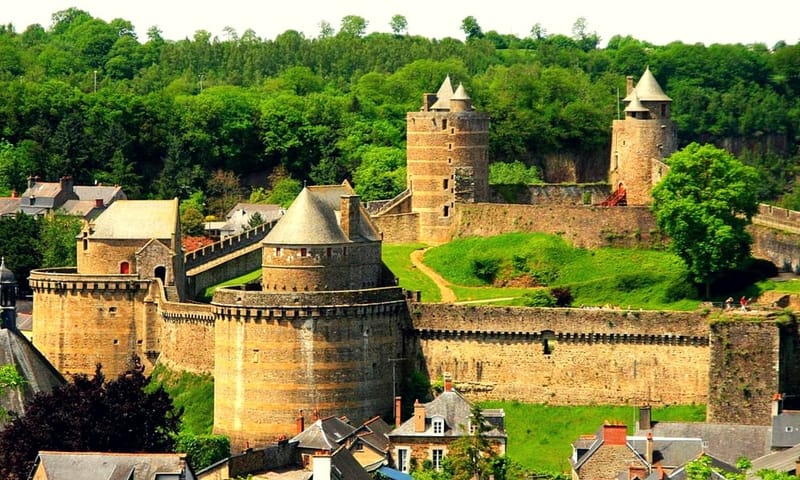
(58, 232)
(90, 414)
(353, 26)
(382, 173)
(703, 204)
(472, 30)
(399, 24)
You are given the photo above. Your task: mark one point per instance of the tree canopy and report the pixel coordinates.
(703, 204)
(90, 414)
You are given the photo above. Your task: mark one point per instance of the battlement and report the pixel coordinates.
(777, 217)
(68, 278)
(227, 245)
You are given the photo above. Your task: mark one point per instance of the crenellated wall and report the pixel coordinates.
(550, 194)
(187, 337)
(586, 226)
(564, 356)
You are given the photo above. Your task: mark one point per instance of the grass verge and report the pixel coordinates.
(246, 278)
(541, 436)
(397, 256)
(193, 393)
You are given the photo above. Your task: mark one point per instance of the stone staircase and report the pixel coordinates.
(171, 293)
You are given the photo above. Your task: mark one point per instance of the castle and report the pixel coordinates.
(324, 328)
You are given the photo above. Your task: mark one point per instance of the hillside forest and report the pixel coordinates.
(227, 119)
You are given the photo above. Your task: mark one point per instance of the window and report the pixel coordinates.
(304, 252)
(444, 124)
(446, 211)
(277, 251)
(452, 130)
(445, 183)
(358, 446)
(124, 268)
(402, 460)
(449, 146)
(256, 355)
(449, 159)
(438, 426)
(85, 244)
(344, 251)
(328, 251)
(663, 110)
(437, 454)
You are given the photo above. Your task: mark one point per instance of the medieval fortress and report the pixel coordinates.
(327, 326)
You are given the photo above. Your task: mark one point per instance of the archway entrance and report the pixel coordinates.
(161, 272)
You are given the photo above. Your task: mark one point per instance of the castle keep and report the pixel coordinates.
(325, 326)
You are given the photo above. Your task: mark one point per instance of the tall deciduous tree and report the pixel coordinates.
(471, 28)
(704, 204)
(399, 24)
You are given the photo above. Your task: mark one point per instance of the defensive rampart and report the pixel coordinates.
(205, 255)
(565, 356)
(550, 194)
(187, 338)
(776, 236)
(587, 226)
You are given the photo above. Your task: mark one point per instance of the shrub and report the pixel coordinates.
(485, 268)
(203, 450)
(539, 298)
(562, 295)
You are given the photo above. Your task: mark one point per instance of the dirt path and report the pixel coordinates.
(444, 286)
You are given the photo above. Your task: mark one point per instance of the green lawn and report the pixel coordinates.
(540, 436)
(246, 278)
(193, 393)
(397, 256)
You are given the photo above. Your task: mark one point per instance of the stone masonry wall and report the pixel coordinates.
(587, 227)
(550, 194)
(744, 371)
(187, 338)
(398, 228)
(564, 356)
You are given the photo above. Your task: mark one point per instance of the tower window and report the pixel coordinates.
(446, 211)
(445, 183)
(328, 251)
(449, 146)
(444, 124)
(663, 110)
(304, 252)
(85, 244)
(452, 130)
(449, 159)
(277, 251)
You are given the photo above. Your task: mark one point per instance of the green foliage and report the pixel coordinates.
(284, 192)
(255, 220)
(704, 204)
(539, 297)
(90, 414)
(58, 236)
(382, 173)
(203, 450)
(10, 379)
(545, 445)
(251, 277)
(414, 386)
(485, 268)
(192, 222)
(191, 393)
(513, 173)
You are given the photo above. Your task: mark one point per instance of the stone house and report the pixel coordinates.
(105, 465)
(436, 425)
(45, 197)
(612, 454)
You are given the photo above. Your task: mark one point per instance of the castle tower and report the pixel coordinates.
(320, 332)
(447, 158)
(641, 140)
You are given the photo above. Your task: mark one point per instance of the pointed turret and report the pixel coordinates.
(648, 89)
(444, 95)
(460, 102)
(635, 107)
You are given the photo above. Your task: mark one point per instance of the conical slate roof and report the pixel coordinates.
(313, 219)
(648, 89)
(635, 105)
(6, 275)
(461, 93)
(443, 95)
(39, 374)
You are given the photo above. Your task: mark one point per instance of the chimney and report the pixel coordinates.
(645, 418)
(321, 466)
(301, 422)
(350, 215)
(448, 383)
(649, 449)
(419, 417)
(428, 99)
(66, 183)
(31, 181)
(777, 401)
(628, 85)
(315, 415)
(397, 411)
(14, 193)
(615, 434)
(98, 203)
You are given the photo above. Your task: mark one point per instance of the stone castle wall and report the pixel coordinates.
(273, 359)
(187, 337)
(105, 256)
(224, 269)
(550, 194)
(565, 356)
(587, 227)
(401, 228)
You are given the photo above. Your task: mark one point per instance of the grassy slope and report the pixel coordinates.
(191, 392)
(541, 436)
(622, 277)
(246, 278)
(397, 256)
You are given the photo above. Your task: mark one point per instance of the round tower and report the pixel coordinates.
(641, 140)
(320, 333)
(447, 159)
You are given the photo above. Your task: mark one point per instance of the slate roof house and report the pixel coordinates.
(111, 466)
(437, 424)
(611, 454)
(44, 197)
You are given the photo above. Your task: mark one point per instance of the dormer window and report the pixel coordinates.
(438, 425)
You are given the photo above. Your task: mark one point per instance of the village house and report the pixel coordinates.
(41, 198)
(437, 424)
(105, 465)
